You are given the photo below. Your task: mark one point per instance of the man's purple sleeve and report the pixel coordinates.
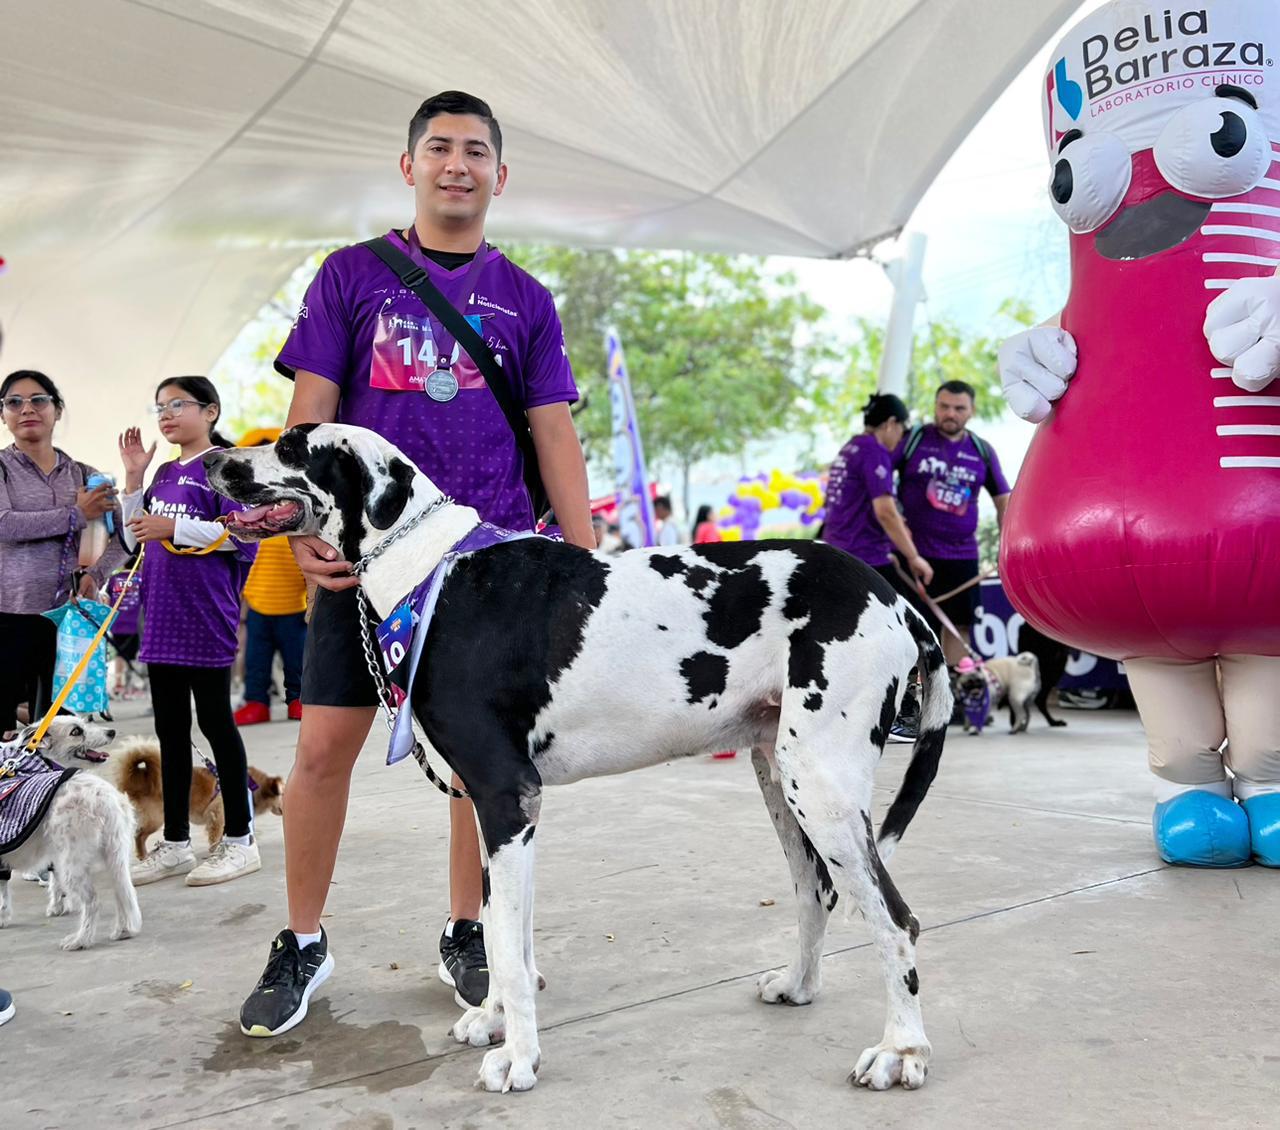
(321, 337)
(996, 483)
(548, 376)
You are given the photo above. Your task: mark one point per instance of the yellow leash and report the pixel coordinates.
(196, 551)
(47, 720)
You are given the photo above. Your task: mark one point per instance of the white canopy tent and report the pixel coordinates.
(167, 163)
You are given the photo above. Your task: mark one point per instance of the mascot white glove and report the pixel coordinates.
(1242, 326)
(1035, 366)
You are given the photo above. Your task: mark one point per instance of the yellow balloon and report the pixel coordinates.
(731, 533)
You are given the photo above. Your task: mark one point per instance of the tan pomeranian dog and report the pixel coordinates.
(134, 769)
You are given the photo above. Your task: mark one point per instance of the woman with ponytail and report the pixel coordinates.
(192, 577)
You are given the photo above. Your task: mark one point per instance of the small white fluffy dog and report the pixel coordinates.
(87, 823)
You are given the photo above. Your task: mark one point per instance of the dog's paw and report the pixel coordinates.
(479, 1027)
(56, 908)
(501, 1071)
(6, 916)
(1056, 722)
(781, 986)
(121, 932)
(879, 1068)
(76, 941)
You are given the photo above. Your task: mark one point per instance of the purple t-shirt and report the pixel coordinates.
(861, 473)
(191, 604)
(360, 328)
(939, 489)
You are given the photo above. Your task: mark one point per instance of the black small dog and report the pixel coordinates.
(1053, 658)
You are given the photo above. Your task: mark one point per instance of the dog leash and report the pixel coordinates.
(967, 585)
(80, 668)
(932, 604)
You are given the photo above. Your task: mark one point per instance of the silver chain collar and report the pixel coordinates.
(371, 659)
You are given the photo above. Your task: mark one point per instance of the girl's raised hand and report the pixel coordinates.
(134, 456)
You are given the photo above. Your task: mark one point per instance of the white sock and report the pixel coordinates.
(448, 928)
(243, 841)
(305, 940)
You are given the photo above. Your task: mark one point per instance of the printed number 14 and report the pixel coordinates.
(406, 347)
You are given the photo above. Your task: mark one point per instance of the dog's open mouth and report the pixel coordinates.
(95, 755)
(280, 517)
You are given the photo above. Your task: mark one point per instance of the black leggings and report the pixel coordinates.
(172, 688)
(26, 666)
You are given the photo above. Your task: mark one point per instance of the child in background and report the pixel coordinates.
(192, 576)
(276, 596)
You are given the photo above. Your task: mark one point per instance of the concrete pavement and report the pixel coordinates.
(1068, 978)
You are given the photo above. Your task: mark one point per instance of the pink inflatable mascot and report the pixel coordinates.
(1145, 524)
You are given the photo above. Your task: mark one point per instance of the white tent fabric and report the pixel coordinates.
(166, 163)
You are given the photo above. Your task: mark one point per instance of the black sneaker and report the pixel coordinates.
(279, 999)
(906, 727)
(463, 964)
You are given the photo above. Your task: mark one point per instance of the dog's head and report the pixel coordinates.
(970, 683)
(269, 793)
(342, 483)
(70, 735)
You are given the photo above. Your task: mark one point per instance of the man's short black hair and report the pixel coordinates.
(958, 387)
(454, 102)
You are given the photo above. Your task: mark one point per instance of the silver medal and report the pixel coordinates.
(442, 385)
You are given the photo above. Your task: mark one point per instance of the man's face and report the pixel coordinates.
(454, 170)
(951, 412)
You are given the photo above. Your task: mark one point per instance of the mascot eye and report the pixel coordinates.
(1090, 178)
(1215, 147)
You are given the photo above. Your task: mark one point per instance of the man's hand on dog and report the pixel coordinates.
(151, 527)
(322, 565)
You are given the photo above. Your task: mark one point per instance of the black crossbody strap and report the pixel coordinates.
(417, 280)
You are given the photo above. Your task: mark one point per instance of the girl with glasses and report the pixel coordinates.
(44, 507)
(192, 577)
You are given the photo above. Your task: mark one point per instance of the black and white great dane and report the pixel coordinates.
(546, 664)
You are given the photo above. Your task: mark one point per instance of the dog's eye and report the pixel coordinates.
(76, 731)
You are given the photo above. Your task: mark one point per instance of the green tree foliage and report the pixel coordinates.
(721, 352)
(942, 351)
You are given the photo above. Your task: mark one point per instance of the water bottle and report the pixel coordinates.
(93, 539)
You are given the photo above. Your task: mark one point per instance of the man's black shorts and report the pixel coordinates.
(948, 575)
(334, 671)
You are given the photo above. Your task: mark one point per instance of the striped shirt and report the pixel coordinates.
(37, 512)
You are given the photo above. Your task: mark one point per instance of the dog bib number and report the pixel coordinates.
(395, 634)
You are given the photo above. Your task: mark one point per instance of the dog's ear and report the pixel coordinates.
(387, 492)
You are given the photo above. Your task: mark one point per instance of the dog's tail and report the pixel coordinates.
(935, 715)
(134, 767)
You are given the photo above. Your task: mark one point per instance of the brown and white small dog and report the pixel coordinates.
(134, 769)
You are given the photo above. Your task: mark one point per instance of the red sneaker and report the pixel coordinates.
(295, 710)
(251, 713)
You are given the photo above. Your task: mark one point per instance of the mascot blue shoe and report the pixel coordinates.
(1202, 829)
(1264, 828)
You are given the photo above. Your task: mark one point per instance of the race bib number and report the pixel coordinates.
(395, 638)
(404, 355)
(949, 495)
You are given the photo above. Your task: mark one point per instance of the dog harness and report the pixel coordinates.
(28, 784)
(401, 635)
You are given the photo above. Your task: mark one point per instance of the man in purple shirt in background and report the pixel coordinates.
(363, 351)
(941, 468)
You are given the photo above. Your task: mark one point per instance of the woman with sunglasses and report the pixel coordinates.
(192, 577)
(44, 507)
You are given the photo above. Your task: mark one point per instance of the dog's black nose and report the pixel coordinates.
(111, 735)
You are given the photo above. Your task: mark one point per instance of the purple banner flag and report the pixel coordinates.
(631, 480)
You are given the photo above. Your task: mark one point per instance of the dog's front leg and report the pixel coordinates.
(6, 904)
(514, 1065)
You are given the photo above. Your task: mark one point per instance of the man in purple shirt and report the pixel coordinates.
(364, 350)
(941, 468)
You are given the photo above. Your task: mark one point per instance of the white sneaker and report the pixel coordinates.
(227, 861)
(162, 861)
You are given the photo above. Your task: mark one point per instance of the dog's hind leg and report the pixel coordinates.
(115, 856)
(6, 904)
(816, 897)
(832, 762)
(79, 886)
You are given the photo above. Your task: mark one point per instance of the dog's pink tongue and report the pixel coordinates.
(250, 516)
